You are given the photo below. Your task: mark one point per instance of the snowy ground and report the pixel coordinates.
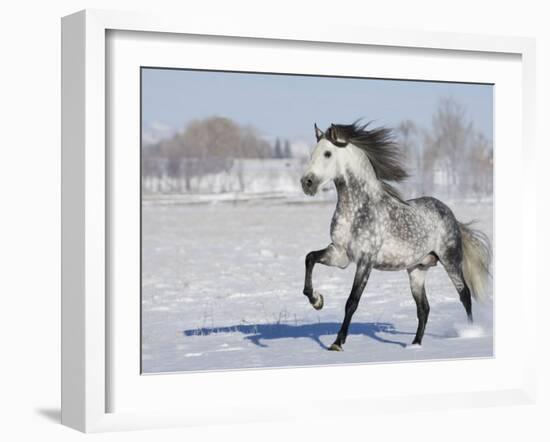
(222, 289)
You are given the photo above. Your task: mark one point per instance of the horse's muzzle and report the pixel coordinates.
(309, 184)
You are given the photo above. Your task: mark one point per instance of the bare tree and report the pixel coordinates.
(287, 151)
(447, 146)
(210, 146)
(277, 150)
(407, 133)
(479, 178)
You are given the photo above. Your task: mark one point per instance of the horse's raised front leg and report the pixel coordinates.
(359, 282)
(331, 256)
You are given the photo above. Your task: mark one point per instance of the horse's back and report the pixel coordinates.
(433, 206)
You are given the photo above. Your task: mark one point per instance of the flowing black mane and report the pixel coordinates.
(380, 147)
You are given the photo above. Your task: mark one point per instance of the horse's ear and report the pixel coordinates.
(335, 137)
(318, 132)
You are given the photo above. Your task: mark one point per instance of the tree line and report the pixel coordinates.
(451, 157)
(209, 146)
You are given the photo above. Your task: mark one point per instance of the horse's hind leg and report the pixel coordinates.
(464, 293)
(417, 278)
(331, 256)
(454, 270)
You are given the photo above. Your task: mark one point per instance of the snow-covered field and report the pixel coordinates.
(222, 289)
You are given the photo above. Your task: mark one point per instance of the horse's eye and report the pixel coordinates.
(328, 154)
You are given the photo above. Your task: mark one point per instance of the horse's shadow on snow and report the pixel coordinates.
(256, 333)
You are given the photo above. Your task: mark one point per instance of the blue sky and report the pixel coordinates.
(287, 105)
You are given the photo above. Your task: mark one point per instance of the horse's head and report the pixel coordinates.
(327, 159)
(371, 155)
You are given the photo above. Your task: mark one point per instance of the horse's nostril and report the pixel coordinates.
(309, 182)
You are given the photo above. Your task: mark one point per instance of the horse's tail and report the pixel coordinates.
(476, 260)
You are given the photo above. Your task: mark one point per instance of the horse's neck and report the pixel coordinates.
(357, 193)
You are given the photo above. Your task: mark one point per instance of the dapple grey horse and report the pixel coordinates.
(375, 228)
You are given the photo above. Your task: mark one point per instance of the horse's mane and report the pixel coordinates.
(380, 147)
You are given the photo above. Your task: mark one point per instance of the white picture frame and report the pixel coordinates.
(87, 357)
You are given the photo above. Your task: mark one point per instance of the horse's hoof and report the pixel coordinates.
(335, 347)
(319, 302)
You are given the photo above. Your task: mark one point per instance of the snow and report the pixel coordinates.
(469, 331)
(222, 289)
(251, 175)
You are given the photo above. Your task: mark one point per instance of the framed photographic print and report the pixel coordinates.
(227, 218)
(241, 215)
